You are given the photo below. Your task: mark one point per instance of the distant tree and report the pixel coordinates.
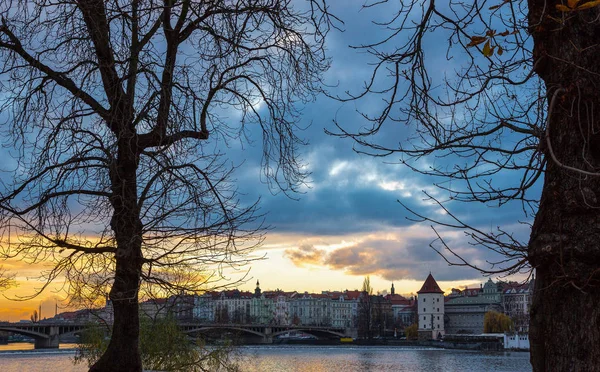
(507, 108)
(34, 317)
(495, 322)
(238, 316)
(118, 115)
(222, 314)
(365, 310)
(412, 332)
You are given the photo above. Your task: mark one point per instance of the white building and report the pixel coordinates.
(516, 341)
(431, 310)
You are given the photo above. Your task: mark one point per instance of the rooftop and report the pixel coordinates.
(430, 286)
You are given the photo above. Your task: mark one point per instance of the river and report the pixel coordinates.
(306, 358)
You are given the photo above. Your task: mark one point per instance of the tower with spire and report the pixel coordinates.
(393, 291)
(431, 310)
(257, 290)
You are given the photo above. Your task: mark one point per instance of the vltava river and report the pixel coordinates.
(311, 358)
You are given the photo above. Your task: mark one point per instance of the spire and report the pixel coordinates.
(393, 290)
(257, 290)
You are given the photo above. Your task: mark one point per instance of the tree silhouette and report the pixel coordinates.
(6, 279)
(118, 114)
(513, 104)
(365, 310)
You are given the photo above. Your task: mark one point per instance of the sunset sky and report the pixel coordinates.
(346, 223)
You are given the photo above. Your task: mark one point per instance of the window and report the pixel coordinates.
(424, 310)
(424, 318)
(438, 309)
(423, 299)
(438, 300)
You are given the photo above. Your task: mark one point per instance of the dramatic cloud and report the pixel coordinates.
(402, 254)
(305, 254)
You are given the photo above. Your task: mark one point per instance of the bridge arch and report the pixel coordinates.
(203, 329)
(309, 331)
(25, 332)
(74, 332)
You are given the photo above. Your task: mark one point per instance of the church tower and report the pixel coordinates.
(257, 290)
(393, 290)
(431, 310)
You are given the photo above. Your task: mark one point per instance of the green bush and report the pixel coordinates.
(163, 347)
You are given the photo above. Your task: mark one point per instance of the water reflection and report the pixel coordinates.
(323, 359)
(308, 358)
(13, 346)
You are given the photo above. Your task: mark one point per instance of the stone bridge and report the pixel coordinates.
(47, 335)
(268, 331)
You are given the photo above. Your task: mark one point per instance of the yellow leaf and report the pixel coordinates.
(572, 3)
(589, 4)
(563, 8)
(487, 49)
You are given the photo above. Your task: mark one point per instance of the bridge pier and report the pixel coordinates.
(351, 332)
(46, 343)
(51, 342)
(268, 337)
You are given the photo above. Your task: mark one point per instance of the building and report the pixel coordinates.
(516, 341)
(404, 311)
(311, 309)
(465, 309)
(344, 309)
(516, 300)
(430, 310)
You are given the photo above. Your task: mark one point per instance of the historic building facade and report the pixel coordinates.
(465, 309)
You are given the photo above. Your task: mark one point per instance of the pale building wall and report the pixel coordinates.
(431, 313)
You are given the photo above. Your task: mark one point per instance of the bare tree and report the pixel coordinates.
(365, 310)
(34, 317)
(7, 279)
(118, 114)
(518, 106)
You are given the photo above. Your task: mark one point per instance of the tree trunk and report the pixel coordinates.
(123, 352)
(565, 241)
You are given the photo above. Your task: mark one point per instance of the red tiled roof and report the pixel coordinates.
(352, 295)
(430, 286)
(396, 299)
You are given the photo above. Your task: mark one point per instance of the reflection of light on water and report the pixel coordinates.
(21, 357)
(24, 346)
